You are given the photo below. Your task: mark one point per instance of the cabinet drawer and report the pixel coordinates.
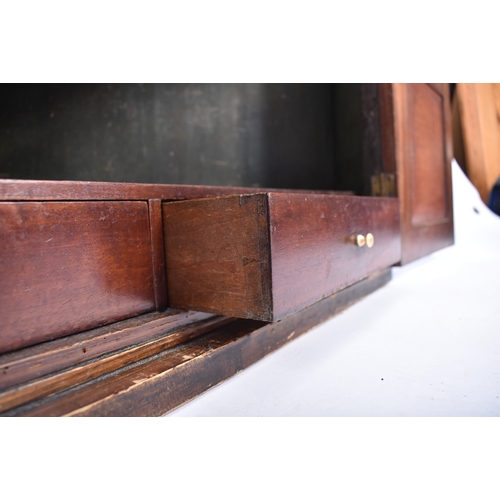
(265, 256)
(69, 266)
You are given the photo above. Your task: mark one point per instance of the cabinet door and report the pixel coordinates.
(422, 144)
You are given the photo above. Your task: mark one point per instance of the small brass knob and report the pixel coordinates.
(360, 240)
(370, 240)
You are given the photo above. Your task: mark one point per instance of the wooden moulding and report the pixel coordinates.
(170, 378)
(36, 361)
(268, 255)
(157, 334)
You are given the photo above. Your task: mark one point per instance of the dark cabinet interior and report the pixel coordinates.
(293, 136)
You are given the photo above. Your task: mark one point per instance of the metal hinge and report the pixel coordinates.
(384, 185)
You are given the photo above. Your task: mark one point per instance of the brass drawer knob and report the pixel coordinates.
(360, 240)
(370, 240)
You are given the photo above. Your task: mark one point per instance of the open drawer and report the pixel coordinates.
(264, 256)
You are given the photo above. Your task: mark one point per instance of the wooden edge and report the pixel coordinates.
(156, 231)
(170, 379)
(218, 226)
(86, 372)
(49, 357)
(29, 190)
(387, 127)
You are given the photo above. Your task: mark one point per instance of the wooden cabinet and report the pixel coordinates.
(98, 278)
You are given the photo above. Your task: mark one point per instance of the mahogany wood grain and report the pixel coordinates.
(159, 279)
(22, 190)
(53, 356)
(312, 249)
(112, 362)
(169, 379)
(219, 251)
(218, 255)
(68, 267)
(423, 152)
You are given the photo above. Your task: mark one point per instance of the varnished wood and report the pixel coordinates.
(56, 355)
(111, 362)
(312, 250)
(158, 251)
(423, 152)
(219, 251)
(22, 190)
(163, 382)
(68, 267)
(218, 255)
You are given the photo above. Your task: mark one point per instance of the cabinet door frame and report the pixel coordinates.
(420, 237)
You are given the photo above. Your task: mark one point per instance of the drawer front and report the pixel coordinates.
(314, 246)
(265, 256)
(69, 266)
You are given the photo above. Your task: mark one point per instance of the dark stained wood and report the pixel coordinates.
(68, 267)
(372, 134)
(56, 355)
(163, 382)
(387, 128)
(312, 247)
(423, 142)
(218, 255)
(22, 190)
(218, 251)
(86, 372)
(159, 279)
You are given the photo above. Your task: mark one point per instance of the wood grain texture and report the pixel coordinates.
(428, 195)
(423, 152)
(219, 251)
(68, 267)
(312, 248)
(103, 365)
(479, 108)
(22, 190)
(56, 355)
(165, 381)
(218, 255)
(158, 251)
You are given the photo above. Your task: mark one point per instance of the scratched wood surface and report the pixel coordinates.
(53, 356)
(103, 365)
(67, 267)
(161, 383)
(265, 256)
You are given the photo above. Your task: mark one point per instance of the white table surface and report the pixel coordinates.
(426, 344)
